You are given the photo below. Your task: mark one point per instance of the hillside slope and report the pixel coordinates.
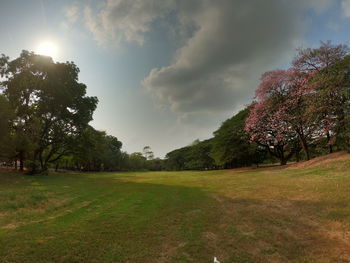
(333, 160)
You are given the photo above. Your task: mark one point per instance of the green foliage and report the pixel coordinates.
(137, 161)
(193, 157)
(95, 151)
(50, 106)
(6, 139)
(231, 146)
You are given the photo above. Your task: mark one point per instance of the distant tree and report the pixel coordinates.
(176, 159)
(156, 164)
(198, 156)
(50, 105)
(112, 156)
(231, 145)
(193, 157)
(137, 161)
(94, 150)
(147, 153)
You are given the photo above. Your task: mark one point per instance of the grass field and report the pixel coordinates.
(296, 214)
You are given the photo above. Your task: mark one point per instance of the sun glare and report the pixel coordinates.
(47, 48)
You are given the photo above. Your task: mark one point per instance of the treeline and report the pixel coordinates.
(229, 148)
(44, 121)
(95, 150)
(305, 108)
(296, 114)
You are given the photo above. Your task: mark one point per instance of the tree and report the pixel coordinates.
(231, 146)
(266, 127)
(147, 153)
(319, 63)
(288, 94)
(193, 157)
(272, 122)
(199, 157)
(94, 150)
(137, 161)
(334, 93)
(176, 159)
(6, 138)
(50, 105)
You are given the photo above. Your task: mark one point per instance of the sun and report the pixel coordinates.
(47, 48)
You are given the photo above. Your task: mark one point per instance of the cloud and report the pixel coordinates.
(345, 5)
(219, 66)
(72, 13)
(227, 45)
(122, 20)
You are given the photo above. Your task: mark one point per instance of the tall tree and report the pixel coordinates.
(288, 94)
(50, 104)
(147, 153)
(320, 63)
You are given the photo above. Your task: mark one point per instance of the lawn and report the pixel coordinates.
(296, 214)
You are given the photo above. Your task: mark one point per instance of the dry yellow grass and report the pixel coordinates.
(294, 214)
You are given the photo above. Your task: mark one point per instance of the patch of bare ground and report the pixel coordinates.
(276, 231)
(264, 168)
(322, 161)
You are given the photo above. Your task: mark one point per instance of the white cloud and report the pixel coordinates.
(218, 65)
(345, 5)
(72, 13)
(121, 20)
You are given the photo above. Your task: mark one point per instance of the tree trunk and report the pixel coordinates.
(330, 146)
(297, 156)
(305, 147)
(21, 161)
(283, 161)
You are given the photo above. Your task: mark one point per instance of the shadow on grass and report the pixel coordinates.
(110, 220)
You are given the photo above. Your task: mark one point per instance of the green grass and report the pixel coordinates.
(261, 215)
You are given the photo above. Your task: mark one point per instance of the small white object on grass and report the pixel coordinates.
(216, 260)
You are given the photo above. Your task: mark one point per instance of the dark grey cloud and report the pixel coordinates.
(218, 65)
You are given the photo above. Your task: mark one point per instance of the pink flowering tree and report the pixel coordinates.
(278, 118)
(267, 129)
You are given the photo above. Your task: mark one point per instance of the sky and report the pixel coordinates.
(168, 72)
